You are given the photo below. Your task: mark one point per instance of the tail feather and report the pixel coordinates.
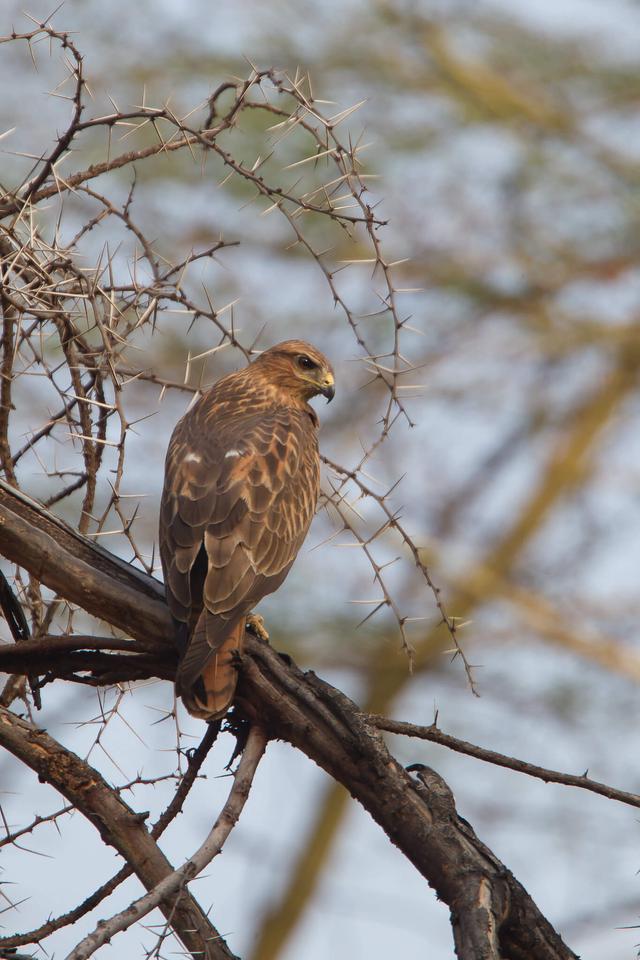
(212, 693)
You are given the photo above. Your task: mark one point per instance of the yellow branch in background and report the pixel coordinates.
(477, 86)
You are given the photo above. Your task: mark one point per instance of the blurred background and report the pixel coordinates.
(503, 146)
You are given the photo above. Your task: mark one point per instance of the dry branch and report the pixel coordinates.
(328, 727)
(435, 735)
(196, 759)
(171, 886)
(118, 825)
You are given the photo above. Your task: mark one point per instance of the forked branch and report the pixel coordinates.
(118, 825)
(326, 726)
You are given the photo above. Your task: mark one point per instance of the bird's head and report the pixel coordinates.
(298, 369)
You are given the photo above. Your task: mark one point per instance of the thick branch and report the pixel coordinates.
(479, 893)
(51, 643)
(330, 729)
(178, 880)
(79, 570)
(118, 825)
(66, 657)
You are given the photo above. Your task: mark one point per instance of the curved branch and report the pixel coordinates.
(177, 881)
(435, 735)
(118, 825)
(330, 729)
(196, 759)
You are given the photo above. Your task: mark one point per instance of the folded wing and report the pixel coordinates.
(240, 492)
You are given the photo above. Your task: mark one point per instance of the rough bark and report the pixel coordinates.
(81, 571)
(118, 825)
(492, 914)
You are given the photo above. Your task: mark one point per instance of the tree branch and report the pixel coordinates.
(177, 881)
(81, 571)
(66, 657)
(196, 759)
(435, 735)
(118, 825)
(321, 722)
(327, 726)
(481, 896)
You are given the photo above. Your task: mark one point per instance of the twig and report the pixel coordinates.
(435, 735)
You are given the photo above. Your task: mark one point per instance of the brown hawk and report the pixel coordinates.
(240, 489)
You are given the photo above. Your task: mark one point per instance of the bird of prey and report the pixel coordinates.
(240, 490)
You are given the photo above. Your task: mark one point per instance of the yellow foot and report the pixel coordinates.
(255, 623)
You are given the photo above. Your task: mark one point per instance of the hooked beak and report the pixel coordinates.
(328, 388)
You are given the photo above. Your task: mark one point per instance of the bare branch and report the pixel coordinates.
(177, 881)
(435, 735)
(329, 728)
(117, 824)
(196, 759)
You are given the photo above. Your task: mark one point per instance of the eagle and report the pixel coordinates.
(241, 485)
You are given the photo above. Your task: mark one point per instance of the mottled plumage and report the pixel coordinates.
(240, 490)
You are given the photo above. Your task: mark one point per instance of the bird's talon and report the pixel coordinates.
(255, 624)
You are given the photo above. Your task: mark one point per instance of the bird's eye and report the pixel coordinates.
(306, 362)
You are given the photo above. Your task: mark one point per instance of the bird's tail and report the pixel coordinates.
(211, 695)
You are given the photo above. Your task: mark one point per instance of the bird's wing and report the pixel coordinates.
(238, 499)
